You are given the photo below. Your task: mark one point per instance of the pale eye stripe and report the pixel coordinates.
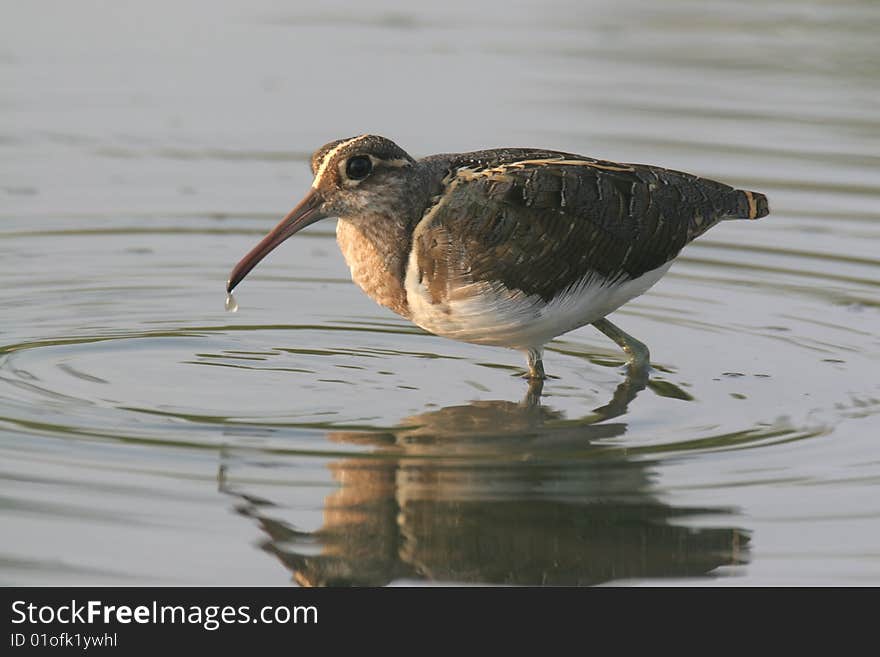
(329, 156)
(394, 164)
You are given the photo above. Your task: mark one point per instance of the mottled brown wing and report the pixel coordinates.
(542, 225)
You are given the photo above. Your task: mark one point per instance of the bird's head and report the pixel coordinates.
(353, 177)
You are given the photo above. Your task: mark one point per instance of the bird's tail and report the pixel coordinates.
(746, 205)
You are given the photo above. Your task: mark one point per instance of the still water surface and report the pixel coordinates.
(147, 436)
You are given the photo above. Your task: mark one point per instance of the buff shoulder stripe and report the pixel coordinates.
(576, 163)
(500, 173)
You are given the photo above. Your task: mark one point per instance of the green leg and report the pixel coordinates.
(535, 376)
(536, 364)
(637, 371)
(639, 356)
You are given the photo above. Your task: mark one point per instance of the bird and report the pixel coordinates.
(508, 247)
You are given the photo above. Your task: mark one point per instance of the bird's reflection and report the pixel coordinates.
(496, 492)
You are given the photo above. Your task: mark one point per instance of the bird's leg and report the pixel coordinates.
(536, 365)
(639, 356)
(535, 377)
(637, 372)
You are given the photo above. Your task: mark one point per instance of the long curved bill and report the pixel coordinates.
(304, 214)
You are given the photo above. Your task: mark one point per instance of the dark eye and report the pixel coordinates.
(358, 167)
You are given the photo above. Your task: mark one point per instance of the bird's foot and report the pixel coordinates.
(639, 355)
(536, 365)
(530, 376)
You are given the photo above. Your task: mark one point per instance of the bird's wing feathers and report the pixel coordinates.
(540, 222)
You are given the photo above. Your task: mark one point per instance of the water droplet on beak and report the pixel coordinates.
(231, 303)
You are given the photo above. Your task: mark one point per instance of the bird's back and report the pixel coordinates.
(525, 224)
(539, 221)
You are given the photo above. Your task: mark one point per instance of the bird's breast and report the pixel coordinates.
(374, 266)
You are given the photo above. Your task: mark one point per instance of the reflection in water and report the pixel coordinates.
(496, 492)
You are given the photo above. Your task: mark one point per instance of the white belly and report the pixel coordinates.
(492, 314)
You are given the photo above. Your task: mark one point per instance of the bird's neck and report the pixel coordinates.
(376, 246)
(374, 254)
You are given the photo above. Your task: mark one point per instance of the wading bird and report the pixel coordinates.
(508, 247)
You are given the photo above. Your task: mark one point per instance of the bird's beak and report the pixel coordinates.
(304, 214)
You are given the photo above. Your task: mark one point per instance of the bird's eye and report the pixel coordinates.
(358, 167)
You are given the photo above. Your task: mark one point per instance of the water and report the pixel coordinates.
(148, 436)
